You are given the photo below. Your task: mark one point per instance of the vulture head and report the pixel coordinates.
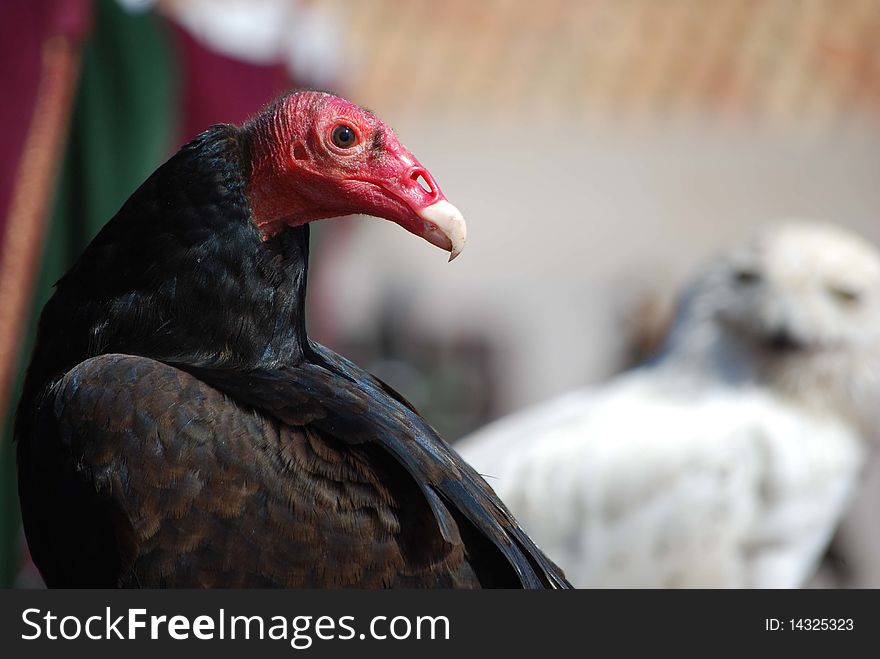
(315, 155)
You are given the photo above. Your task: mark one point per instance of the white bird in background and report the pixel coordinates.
(727, 461)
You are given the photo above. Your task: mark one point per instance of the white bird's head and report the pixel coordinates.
(796, 307)
(801, 288)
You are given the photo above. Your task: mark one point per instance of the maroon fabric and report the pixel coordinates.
(24, 27)
(219, 89)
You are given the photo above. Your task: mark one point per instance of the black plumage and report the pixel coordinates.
(179, 428)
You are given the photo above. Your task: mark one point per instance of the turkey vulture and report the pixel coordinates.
(729, 460)
(178, 428)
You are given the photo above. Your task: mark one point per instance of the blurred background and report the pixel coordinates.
(599, 149)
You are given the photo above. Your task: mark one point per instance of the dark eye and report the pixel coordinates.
(843, 294)
(343, 136)
(746, 277)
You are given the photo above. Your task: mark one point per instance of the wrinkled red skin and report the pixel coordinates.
(299, 175)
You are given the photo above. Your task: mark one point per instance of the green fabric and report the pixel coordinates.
(122, 127)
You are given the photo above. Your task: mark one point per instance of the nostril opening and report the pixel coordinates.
(419, 178)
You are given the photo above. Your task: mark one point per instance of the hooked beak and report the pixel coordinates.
(784, 341)
(428, 213)
(444, 227)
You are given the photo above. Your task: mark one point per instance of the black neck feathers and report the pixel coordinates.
(181, 274)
